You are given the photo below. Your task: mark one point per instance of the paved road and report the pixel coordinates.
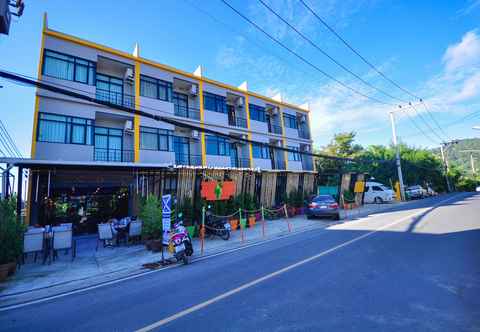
(391, 272)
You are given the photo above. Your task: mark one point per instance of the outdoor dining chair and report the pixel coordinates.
(105, 234)
(63, 240)
(135, 231)
(66, 225)
(32, 243)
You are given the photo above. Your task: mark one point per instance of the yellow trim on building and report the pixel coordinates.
(202, 122)
(33, 148)
(284, 139)
(314, 167)
(250, 149)
(83, 42)
(37, 99)
(136, 119)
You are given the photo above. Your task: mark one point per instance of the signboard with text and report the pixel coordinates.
(166, 216)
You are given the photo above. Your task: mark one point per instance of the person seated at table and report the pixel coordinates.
(113, 222)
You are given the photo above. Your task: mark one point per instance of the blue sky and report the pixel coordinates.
(431, 48)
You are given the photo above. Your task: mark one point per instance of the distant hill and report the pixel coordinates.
(462, 159)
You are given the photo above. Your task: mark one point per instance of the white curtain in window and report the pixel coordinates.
(58, 68)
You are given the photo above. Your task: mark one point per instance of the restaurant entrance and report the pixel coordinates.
(84, 198)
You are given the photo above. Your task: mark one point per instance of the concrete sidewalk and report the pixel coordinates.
(35, 280)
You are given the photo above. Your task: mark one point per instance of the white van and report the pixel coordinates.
(376, 192)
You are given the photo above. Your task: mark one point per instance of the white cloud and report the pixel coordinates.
(464, 53)
(470, 89)
(473, 5)
(335, 109)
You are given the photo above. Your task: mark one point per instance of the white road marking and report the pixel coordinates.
(281, 271)
(138, 275)
(141, 274)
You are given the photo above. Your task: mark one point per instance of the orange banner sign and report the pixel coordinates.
(217, 190)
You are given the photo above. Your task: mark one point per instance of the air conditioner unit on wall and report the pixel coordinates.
(195, 134)
(128, 128)
(193, 90)
(303, 119)
(275, 111)
(129, 75)
(240, 102)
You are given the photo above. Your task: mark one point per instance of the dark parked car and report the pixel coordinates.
(323, 206)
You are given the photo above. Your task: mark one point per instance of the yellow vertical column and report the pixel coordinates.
(136, 119)
(314, 167)
(249, 135)
(37, 99)
(33, 148)
(202, 123)
(284, 139)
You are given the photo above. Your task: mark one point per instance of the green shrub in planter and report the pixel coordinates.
(11, 232)
(151, 215)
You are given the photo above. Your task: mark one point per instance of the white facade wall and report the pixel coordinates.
(63, 105)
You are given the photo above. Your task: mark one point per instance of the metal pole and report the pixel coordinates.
(48, 187)
(397, 154)
(202, 231)
(445, 165)
(472, 162)
(19, 192)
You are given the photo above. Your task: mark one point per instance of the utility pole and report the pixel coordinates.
(444, 150)
(445, 166)
(472, 162)
(397, 153)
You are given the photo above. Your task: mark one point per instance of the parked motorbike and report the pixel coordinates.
(215, 226)
(180, 242)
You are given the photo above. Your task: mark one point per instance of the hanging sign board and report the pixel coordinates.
(359, 187)
(218, 190)
(166, 216)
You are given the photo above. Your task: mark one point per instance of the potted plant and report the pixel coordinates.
(250, 207)
(11, 238)
(151, 215)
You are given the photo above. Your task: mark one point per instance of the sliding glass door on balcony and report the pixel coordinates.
(110, 89)
(109, 145)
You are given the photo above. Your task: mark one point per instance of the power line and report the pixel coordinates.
(418, 127)
(12, 142)
(347, 44)
(23, 80)
(315, 45)
(454, 123)
(434, 120)
(302, 58)
(426, 122)
(357, 52)
(6, 145)
(259, 46)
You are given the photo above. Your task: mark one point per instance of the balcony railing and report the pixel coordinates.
(118, 155)
(237, 121)
(116, 98)
(279, 164)
(275, 129)
(240, 162)
(186, 112)
(190, 160)
(307, 162)
(303, 134)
